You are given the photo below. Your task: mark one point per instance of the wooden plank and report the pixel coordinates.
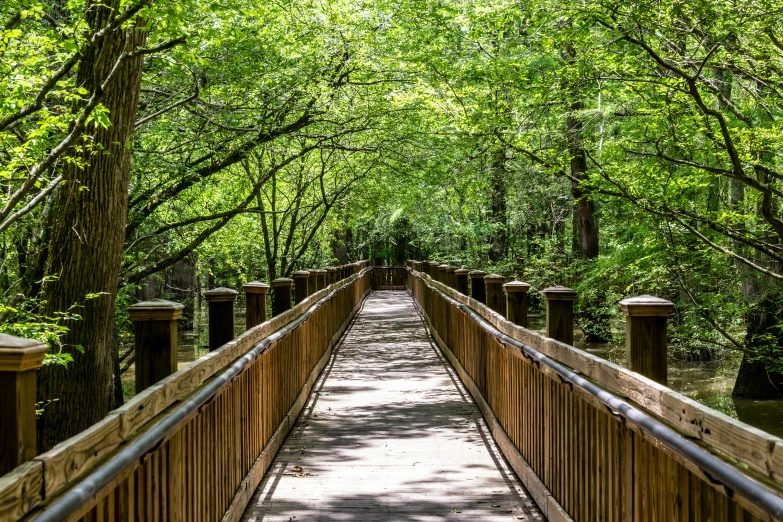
(389, 435)
(70, 459)
(21, 490)
(759, 450)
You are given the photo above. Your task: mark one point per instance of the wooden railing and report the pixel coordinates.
(389, 277)
(592, 440)
(194, 446)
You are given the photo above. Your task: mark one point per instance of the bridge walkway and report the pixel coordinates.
(389, 433)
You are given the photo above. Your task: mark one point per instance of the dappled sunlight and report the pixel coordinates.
(389, 433)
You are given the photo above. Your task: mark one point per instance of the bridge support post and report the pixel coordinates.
(19, 359)
(494, 290)
(560, 313)
(321, 279)
(281, 287)
(477, 289)
(451, 280)
(301, 285)
(255, 310)
(312, 281)
(155, 324)
(461, 280)
(516, 302)
(332, 275)
(441, 273)
(645, 335)
(221, 315)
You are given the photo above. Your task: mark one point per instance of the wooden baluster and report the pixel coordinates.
(301, 285)
(645, 335)
(221, 315)
(281, 288)
(332, 273)
(560, 313)
(494, 292)
(477, 289)
(461, 280)
(155, 324)
(255, 310)
(19, 359)
(516, 302)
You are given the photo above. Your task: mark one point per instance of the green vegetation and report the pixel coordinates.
(154, 149)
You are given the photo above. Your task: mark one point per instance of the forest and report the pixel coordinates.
(159, 149)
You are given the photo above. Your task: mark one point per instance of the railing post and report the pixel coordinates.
(321, 274)
(441, 277)
(461, 280)
(516, 302)
(301, 285)
(332, 271)
(477, 289)
(19, 359)
(312, 282)
(451, 282)
(255, 309)
(560, 313)
(494, 291)
(221, 315)
(281, 287)
(155, 325)
(433, 271)
(645, 335)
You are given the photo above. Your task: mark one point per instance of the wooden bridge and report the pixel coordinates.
(391, 393)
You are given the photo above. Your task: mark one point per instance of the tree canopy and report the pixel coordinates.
(618, 148)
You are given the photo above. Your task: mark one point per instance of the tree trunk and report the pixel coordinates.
(584, 211)
(497, 209)
(87, 239)
(754, 379)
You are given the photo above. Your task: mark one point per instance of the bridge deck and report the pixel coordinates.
(389, 434)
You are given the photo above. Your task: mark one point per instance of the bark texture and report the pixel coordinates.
(85, 249)
(498, 211)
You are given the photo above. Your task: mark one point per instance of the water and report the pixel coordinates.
(191, 344)
(708, 382)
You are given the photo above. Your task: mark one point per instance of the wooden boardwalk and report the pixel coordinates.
(389, 434)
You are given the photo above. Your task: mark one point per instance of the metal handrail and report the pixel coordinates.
(716, 470)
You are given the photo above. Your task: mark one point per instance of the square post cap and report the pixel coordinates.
(331, 269)
(516, 286)
(494, 278)
(647, 305)
(320, 271)
(219, 294)
(282, 281)
(444, 266)
(155, 310)
(462, 271)
(20, 355)
(559, 293)
(256, 287)
(451, 268)
(476, 274)
(301, 274)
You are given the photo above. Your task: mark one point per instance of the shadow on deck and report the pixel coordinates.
(389, 433)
